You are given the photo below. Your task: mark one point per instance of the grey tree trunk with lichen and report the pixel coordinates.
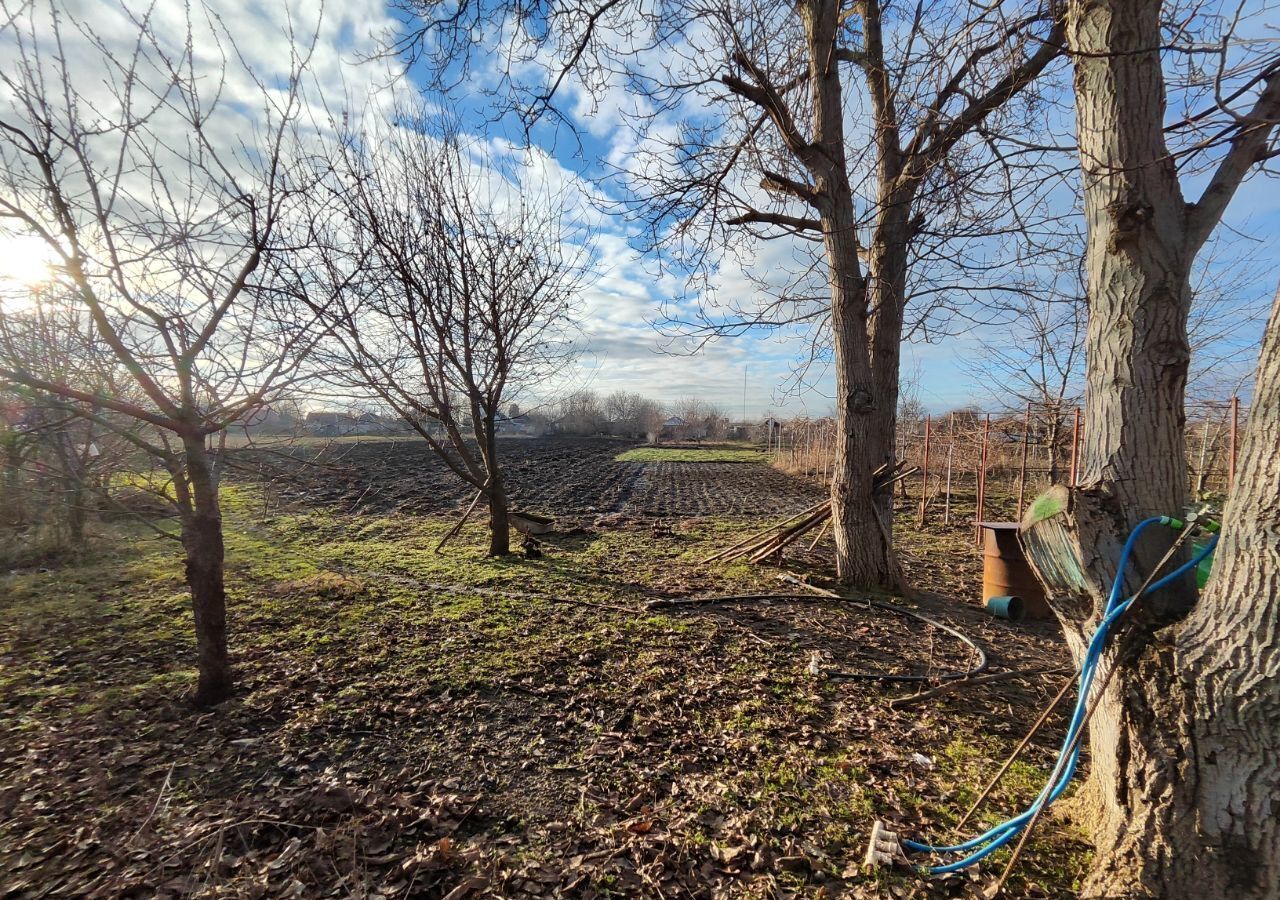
(1186, 799)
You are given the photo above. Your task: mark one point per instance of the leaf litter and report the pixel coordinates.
(397, 735)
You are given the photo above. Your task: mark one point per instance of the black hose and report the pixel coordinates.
(979, 667)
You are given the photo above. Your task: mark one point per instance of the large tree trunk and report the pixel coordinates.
(1133, 465)
(866, 372)
(202, 539)
(1138, 269)
(1142, 241)
(1204, 816)
(862, 519)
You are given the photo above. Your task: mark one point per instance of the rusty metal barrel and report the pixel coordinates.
(1006, 572)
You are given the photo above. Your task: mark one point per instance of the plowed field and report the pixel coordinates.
(563, 476)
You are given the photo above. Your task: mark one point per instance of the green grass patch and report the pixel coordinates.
(691, 454)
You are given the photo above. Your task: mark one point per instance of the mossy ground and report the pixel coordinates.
(599, 746)
(693, 455)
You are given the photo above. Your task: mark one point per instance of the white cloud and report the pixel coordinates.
(629, 290)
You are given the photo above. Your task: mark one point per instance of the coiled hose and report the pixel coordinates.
(1064, 769)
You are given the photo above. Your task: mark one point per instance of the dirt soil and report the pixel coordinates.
(557, 476)
(409, 724)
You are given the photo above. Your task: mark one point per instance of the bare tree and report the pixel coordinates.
(179, 252)
(464, 289)
(857, 126)
(1143, 240)
(1229, 306)
(1035, 357)
(1038, 358)
(697, 414)
(910, 418)
(715, 422)
(581, 412)
(50, 449)
(631, 415)
(620, 410)
(650, 420)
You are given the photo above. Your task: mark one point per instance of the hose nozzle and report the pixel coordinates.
(884, 848)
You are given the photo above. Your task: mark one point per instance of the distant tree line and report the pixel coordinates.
(631, 415)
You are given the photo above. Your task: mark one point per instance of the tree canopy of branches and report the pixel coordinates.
(180, 255)
(863, 128)
(58, 465)
(1035, 360)
(463, 290)
(632, 415)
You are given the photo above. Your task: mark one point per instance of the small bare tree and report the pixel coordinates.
(177, 245)
(650, 420)
(623, 411)
(1038, 358)
(581, 412)
(51, 450)
(464, 286)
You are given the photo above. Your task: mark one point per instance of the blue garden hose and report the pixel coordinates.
(996, 837)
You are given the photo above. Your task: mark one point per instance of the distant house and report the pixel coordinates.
(680, 429)
(515, 424)
(269, 420)
(674, 429)
(324, 423)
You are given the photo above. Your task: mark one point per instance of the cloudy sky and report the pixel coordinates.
(633, 290)
(631, 349)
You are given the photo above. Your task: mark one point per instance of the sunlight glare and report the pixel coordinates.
(25, 263)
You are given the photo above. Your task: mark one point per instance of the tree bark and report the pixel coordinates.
(1229, 658)
(1143, 238)
(1205, 820)
(865, 351)
(499, 521)
(73, 487)
(1138, 271)
(495, 490)
(1133, 466)
(14, 505)
(74, 491)
(1055, 453)
(205, 554)
(863, 520)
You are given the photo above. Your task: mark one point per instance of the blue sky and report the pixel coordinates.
(624, 349)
